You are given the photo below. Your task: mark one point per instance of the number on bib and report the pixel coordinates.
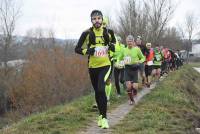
(119, 64)
(101, 51)
(150, 63)
(127, 60)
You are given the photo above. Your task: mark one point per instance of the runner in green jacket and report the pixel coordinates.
(157, 61)
(132, 56)
(119, 65)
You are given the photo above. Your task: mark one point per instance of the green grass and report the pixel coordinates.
(69, 118)
(172, 107)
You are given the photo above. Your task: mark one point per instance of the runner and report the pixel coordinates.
(109, 80)
(95, 43)
(169, 60)
(118, 65)
(144, 50)
(132, 56)
(157, 63)
(149, 64)
(173, 60)
(164, 65)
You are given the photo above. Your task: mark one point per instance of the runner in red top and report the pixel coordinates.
(148, 64)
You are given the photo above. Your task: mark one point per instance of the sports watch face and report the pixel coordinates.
(97, 21)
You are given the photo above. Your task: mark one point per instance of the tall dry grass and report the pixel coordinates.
(47, 79)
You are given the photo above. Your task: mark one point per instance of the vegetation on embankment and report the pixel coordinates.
(68, 118)
(172, 107)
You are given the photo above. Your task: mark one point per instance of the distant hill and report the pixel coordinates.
(21, 39)
(21, 45)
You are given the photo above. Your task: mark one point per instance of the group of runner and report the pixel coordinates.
(107, 54)
(172, 60)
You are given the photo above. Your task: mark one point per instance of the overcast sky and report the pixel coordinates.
(68, 18)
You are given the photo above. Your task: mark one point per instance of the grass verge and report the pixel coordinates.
(172, 107)
(69, 118)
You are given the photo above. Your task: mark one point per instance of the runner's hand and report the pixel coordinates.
(90, 51)
(111, 47)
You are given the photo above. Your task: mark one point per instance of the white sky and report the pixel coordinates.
(68, 18)
(183, 7)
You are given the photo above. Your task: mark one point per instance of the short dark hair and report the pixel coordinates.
(96, 12)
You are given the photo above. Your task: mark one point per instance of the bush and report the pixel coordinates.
(7, 77)
(47, 79)
(3, 99)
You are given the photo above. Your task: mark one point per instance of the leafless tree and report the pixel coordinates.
(190, 26)
(159, 13)
(127, 19)
(190, 23)
(172, 38)
(9, 13)
(40, 38)
(51, 38)
(147, 18)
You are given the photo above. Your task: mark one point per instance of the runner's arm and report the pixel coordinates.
(81, 47)
(112, 40)
(141, 56)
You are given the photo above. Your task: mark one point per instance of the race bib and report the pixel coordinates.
(158, 58)
(150, 63)
(119, 64)
(127, 60)
(101, 51)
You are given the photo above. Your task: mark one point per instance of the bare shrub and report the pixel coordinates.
(49, 78)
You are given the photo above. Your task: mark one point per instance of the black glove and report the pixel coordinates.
(111, 47)
(114, 60)
(90, 51)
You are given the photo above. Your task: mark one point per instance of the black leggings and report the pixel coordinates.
(119, 77)
(98, 77)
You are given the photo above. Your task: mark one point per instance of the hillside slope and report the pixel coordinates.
(172, 107)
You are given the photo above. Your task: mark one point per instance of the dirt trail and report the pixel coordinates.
(116, 115)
